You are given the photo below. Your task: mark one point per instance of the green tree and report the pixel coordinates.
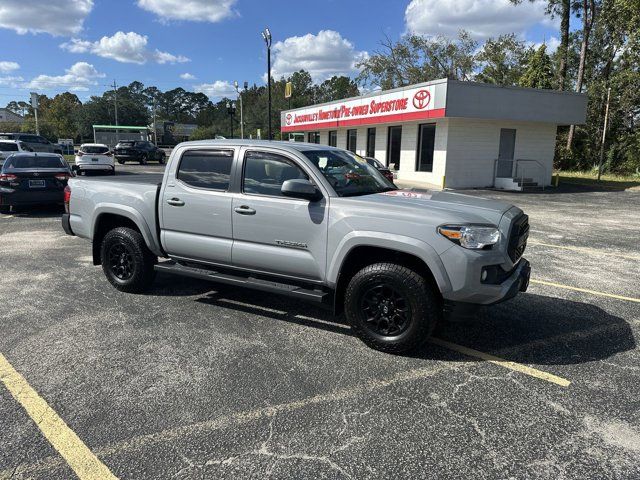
(337, 88)
(416, 59)
(502, 60)
(62, 115)
(539, 71)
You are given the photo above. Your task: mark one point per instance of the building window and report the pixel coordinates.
(333, 138)
(371, 142)
(426, 143)
(394, 139)
(313, 137)
(352, 140)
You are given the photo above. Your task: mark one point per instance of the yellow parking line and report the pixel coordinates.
(502, 362)
(62, 438)
(592, 251)
(584, 290)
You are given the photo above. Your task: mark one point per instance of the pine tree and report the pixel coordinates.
(539, 72)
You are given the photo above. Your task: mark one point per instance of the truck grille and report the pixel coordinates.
(518, 237)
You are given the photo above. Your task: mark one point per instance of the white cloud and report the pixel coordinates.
(80, 76)
(166, 57)
(322, 55)
(11, 81)
(6, 67)
(187, 76)
(481, 18)
(217, 89)
(195, 10)
(123, 47)
(57, 17)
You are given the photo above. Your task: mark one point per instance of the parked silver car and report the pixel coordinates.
(37, 143)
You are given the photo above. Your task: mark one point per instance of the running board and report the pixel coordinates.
(316, 296)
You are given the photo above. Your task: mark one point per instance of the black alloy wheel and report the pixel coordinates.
(126, 260)
(121, 261)
(391, 307)
(387, 311)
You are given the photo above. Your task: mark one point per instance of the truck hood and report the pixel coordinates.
(465, 208)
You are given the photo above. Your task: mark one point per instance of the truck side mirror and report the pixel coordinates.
(301, 188)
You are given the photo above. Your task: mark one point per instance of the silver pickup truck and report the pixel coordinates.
(309, 221)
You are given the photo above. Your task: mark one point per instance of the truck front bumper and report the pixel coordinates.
(474, 278)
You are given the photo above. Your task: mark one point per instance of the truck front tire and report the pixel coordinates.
(126, 260)
(391, 308)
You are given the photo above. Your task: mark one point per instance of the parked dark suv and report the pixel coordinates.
(138, 151)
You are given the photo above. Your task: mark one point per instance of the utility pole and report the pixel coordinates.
(246, 85)
(35, 105)
(266, 35)
(155, 131)
(115, 100)
(604, 133)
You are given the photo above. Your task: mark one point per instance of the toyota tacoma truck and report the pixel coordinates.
(313, 222)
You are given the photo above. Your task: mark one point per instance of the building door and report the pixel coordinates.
(506, 151)
(393, 146)
(371, 142)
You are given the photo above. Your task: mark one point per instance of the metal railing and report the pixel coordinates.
(515, 168)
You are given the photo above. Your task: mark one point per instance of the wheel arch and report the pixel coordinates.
(362, 254)
(107, 220)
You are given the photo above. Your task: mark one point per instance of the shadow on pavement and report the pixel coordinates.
(530, 328)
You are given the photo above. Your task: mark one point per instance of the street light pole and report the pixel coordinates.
(231, 110)
(266, 34)
(235, 84)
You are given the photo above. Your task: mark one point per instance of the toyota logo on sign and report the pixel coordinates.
(421, 99)
(288, 118)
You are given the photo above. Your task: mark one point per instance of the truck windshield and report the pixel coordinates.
(349, 174)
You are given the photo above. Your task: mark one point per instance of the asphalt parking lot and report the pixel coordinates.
(193, 380)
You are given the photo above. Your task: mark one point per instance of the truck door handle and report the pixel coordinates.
(245, 210)
(176, 202)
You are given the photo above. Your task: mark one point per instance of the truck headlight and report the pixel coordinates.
(474, 237)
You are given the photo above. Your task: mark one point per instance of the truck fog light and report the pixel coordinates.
(484, 275)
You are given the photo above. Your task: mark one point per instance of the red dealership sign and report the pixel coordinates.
(403, 105)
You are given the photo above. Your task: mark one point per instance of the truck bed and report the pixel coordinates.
(132, 196)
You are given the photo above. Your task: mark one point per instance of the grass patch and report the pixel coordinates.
(70, 158)
(591, 178)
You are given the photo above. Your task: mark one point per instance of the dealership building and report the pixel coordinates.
(447, 132)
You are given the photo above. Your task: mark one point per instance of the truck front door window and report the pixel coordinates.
(264, 173)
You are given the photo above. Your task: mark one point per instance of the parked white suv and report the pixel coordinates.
(94, 157)
(9, 147)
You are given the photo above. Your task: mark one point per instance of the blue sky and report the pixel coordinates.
(203, 45)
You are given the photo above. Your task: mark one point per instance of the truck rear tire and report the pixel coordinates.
(391, 308)
(126, 260)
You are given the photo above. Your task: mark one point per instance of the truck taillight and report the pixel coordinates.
(67, 198)
(8, 177)
(62, 176)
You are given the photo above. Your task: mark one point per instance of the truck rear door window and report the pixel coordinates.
(206, 168)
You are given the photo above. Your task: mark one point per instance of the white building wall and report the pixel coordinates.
(472, 148)
(409, 152)
(342, 138)
(324, 137)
